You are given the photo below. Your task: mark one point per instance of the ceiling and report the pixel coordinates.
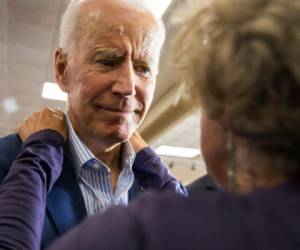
(28, 37)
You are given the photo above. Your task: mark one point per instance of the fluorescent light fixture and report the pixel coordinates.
(53, 92)
(158, 7)
(177, 151)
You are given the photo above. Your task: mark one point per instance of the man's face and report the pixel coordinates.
(110, 78)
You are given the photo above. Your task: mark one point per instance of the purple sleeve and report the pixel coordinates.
(114, 230)
(23, 191)
(153, 173)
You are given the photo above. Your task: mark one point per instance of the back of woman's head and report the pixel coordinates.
(243, 56)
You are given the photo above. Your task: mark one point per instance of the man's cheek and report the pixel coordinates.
(149, 96)
(136, 121)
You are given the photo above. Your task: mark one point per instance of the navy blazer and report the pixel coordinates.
(204, 184)
(65, 206)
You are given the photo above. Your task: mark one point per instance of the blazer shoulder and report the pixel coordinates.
(202, 185)
(9, 148)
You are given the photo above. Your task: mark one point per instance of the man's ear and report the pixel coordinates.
(60, 70)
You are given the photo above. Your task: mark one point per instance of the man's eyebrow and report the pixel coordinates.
(146, 60)
(109, 52)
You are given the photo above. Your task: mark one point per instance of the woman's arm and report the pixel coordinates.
(31, 176)
(151, 171)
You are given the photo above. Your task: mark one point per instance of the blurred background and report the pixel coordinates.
(28, 37)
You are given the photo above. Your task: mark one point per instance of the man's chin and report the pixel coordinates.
(113, 137)
(121, 136)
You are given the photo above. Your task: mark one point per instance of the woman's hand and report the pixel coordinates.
(137, 142)
(48, 118)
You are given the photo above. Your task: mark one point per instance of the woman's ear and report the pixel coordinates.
(60, 70)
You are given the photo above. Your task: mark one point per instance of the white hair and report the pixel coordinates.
(70, 21)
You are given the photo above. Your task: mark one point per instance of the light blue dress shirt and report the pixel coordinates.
(94, 176)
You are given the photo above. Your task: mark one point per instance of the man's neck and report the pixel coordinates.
(106, 152)
(110, 157)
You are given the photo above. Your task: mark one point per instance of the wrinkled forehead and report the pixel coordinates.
(114, 18)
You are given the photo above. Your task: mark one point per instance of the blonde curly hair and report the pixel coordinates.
(243, 57)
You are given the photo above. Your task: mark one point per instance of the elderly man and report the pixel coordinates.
(107, 64)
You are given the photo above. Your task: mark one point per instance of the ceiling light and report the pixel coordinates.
(158, 7)
(52, 91)
(177, 151)
(10, 105)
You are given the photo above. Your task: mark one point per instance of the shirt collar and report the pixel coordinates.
(127, 155)
(80, 153)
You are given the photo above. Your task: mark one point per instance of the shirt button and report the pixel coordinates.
(96, 167)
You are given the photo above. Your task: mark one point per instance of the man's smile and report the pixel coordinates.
(116, 110)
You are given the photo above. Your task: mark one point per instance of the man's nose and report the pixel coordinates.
(126, 81)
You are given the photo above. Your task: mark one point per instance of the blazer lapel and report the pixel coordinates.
(135, 189)
(65, 203)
